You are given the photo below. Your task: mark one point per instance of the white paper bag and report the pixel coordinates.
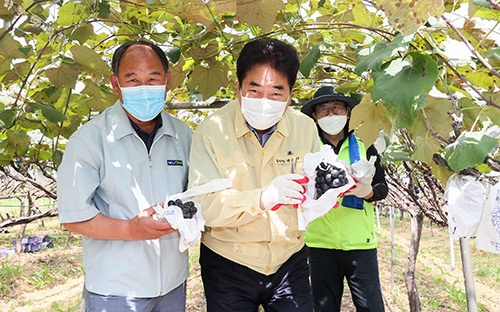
(189, 229)
(313, 208)
(488, 233)
(466, 197)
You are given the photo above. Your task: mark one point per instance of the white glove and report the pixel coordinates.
(362, 172)
(283, 190)
(360, 190)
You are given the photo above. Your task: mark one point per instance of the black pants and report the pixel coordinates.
(230, 286)
(359, 267)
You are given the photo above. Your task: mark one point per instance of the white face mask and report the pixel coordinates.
(262, 113)
(332, 124)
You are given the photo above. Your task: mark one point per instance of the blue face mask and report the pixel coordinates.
(144, 102)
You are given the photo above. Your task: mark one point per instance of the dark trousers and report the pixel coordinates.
(359, 267)
(230, 286)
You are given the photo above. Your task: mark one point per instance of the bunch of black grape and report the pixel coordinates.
(329, 176)
(188, 208)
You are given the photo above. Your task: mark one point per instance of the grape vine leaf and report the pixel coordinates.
(469, 150)
(366, 111)
(373, 56)
(402, 81)
(261, 13)
(89, 59)
(425, 148)
(311, 58)
(10, 48)
(178, 74)
(435, 113)
(49, 112)
(484, 79)
(17, 142)
(65, 75)
(207, 79)
(440, 172)
(406, 16)
(205, 12)
(7, 118)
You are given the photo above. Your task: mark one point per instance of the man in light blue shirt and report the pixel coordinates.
(114, 170)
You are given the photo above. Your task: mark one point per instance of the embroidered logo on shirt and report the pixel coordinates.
(174, 162)
(284, 161)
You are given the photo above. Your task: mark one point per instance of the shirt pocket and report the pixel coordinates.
(256, 231)
(241, 169)
(283, 161)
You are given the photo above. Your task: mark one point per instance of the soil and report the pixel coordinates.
(441, 287)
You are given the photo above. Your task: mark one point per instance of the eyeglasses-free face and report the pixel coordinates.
(330, 108)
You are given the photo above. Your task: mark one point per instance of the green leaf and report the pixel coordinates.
(260, 13)
(88, 58)
(7, 118)
(207, 80)
(368, 118)
(100, 98)
(408, 15)
(482, 3)
(311, 59)
(373, 56)
(395, 153)
(82, 34)
(473, 112)
(483, 79)
(69, 13)
(18, 142)
(65, 75)
(173, 54)
(10, 48)
(469, 150)
(482, 9)
(493, 53)
(57, 158)
(104, 9)
(436, 112)
(402, 81)
(49, 112)
(440, 172)
(425, 149)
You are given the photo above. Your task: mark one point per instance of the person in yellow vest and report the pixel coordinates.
(252, 252)
(342, 244)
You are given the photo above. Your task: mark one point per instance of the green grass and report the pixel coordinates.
(9, 273)
(40, 278)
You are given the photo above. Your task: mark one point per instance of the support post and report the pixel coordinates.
(470, 289)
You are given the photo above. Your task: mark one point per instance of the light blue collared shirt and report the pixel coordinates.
(265, 136)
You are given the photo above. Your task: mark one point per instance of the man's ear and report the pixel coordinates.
(168, 78)
(114, 83)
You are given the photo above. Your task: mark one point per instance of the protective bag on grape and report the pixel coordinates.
(328, 180)
(191, 226)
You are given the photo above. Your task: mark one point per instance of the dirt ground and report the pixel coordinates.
(437, 282)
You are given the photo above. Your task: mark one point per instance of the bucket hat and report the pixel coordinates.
(326, 94)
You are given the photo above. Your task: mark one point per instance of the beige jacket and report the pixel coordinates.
(236, 227)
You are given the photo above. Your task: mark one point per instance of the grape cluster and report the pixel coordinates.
(188, 208)
(329, 176)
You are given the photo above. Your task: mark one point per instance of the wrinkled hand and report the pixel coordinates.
(285, 190)
(144, 226)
